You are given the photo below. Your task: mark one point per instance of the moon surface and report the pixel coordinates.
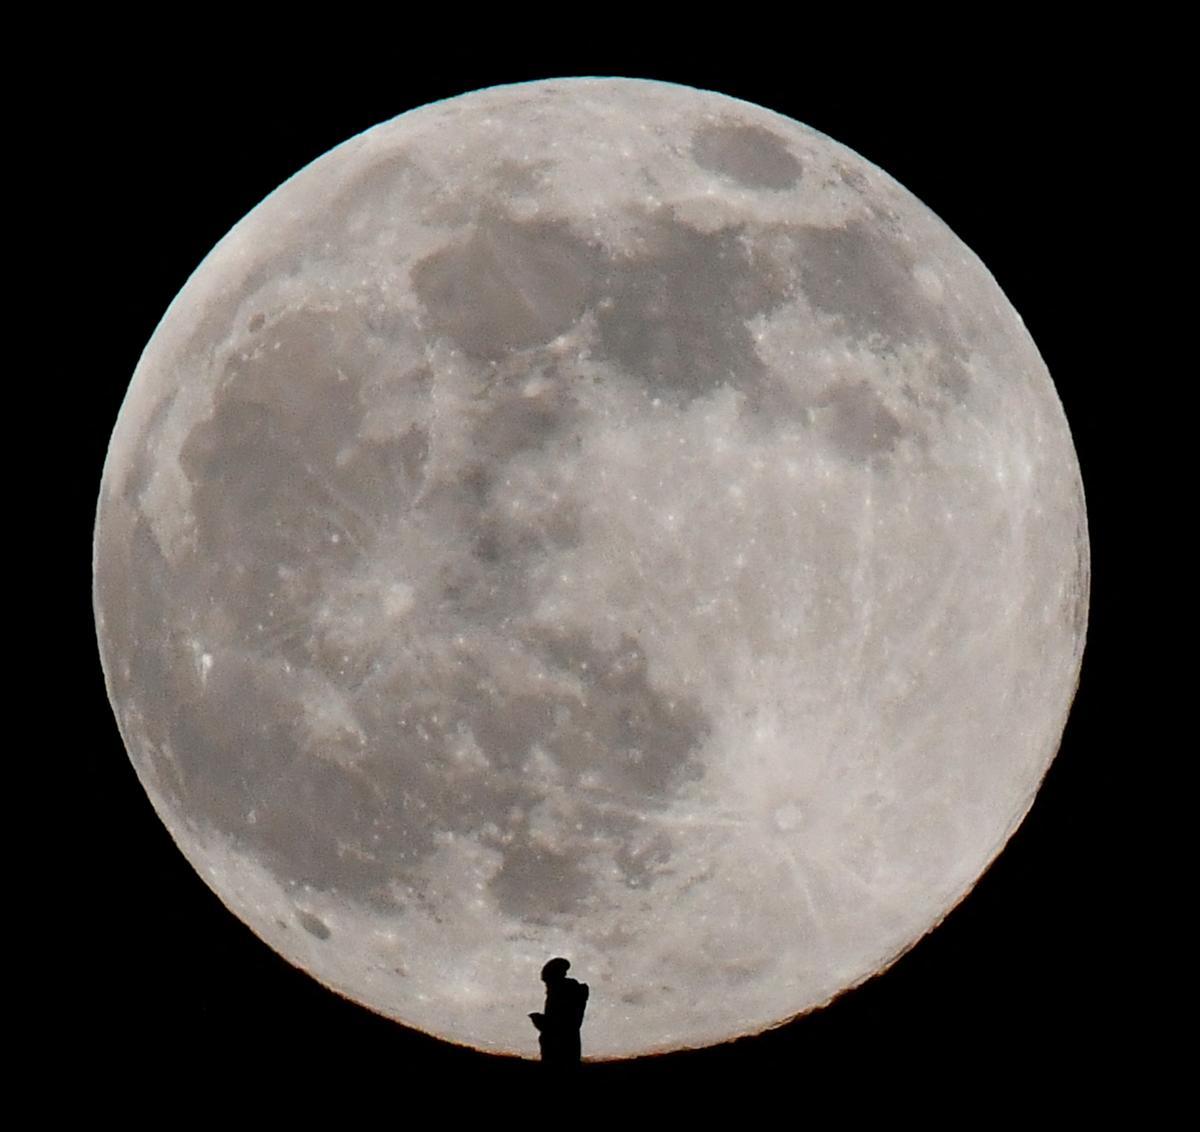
(591, 517)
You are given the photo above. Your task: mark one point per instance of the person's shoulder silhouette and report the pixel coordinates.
(559, 1023)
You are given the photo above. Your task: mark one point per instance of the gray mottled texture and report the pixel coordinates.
(596, 517)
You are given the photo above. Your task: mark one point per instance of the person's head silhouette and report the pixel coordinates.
(555, 970)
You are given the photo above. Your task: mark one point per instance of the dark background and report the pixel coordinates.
(1017, 995)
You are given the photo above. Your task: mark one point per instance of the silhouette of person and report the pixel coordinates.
(558, 1024)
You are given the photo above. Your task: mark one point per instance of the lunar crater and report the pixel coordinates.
(750, 155)
(314, 925)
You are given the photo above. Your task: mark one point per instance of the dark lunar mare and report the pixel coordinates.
(287, 493)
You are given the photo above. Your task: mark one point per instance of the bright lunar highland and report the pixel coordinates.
(600, 518)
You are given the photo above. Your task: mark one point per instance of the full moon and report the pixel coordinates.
(598, 518)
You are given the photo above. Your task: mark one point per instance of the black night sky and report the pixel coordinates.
(1012, 995)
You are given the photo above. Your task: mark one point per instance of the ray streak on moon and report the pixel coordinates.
(591, 517)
